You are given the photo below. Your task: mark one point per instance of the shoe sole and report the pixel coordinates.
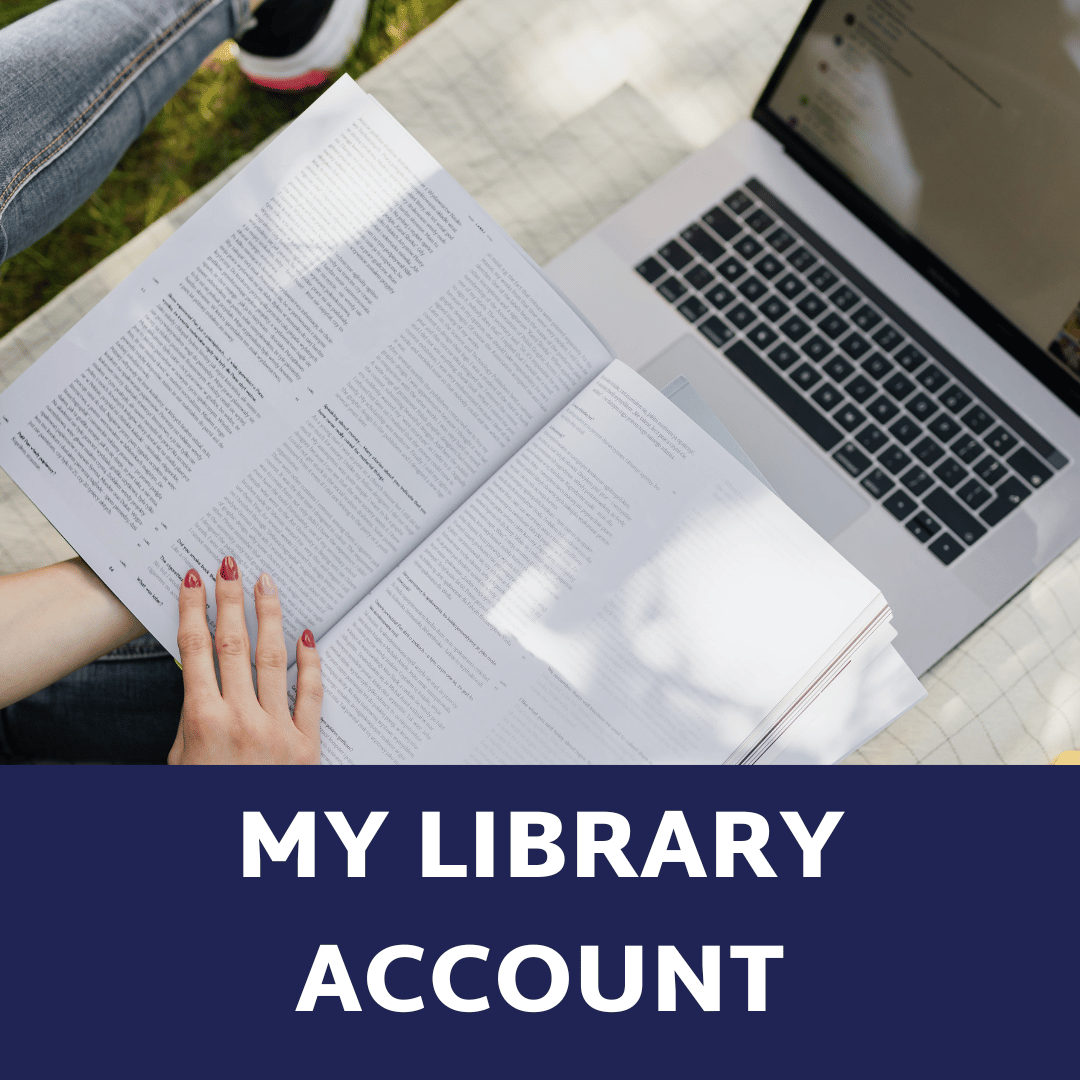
(318, 59)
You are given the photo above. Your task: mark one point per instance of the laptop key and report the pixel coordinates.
(877, 483)
(950, 472)
(827, 396)
(671, 289)
(946, 548)
(802, 258)
(954, 399)
(674, 254)
(860, 388)
(790, 286)
(716, 331)
(785, 396)
(852, 459)
(823, 279)
(989, 470)
(899, 505)
(780, 239)
(965, 448)
(872, 437)
(866, 318)
(978, 419)
(693, 309)
(783, 356)
(769, 266)
(904, 430)
(882, 409)
(703, 243)
(909, 358)
(837, 368)
(898, 386)
(955, 517)
(806, 376)
(848, 417)
(1030, 467)
(811, 305)
(762, 336)
(720, 296)
(817, 348)
(721, 224)
(773, 308)
(832, 325)
(932, 377)
(844, 298)
(944, 427)
(651, 269)
(1001, 441)
(748, 247)
(739, 202)
(877, 366)
(741, 316)
(855, 345)
(753, 288)
(1009, 496)
(922, 407)
(973, 493)
(922, 526)
(894, 459)
(795, 328)
(927, 451)
(888, 337)
(699, 276)
(916, 480)
(759, 221)
(731, 268)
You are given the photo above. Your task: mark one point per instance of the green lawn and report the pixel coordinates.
(216, 117)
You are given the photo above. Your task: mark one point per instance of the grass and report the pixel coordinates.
(215, 118)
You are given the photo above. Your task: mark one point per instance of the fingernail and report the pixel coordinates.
(307, 639)
(192, 580)
(265, 586)
(229, 570)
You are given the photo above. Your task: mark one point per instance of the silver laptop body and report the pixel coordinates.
(902, 375)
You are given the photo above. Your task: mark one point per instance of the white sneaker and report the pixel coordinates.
(297, 44)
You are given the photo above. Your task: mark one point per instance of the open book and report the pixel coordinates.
(509, 546)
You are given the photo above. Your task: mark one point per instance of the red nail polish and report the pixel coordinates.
(229, 570)
(307, 639)
(192, 580)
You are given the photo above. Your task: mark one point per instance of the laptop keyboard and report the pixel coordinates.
(895, 411)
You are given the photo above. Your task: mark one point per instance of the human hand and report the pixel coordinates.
(233, 725)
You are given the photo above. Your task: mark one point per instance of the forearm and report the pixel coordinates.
(55, 620)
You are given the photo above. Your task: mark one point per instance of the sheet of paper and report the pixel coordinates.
(623, 590)
(325, 360)
(869, 694)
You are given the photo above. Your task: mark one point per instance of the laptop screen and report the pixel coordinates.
(961, 120)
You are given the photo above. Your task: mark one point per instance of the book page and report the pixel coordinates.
(621, 591)
(324, 361)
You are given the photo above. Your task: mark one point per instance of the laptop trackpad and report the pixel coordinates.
(810, 486)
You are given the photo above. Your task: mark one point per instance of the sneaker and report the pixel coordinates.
(296, 44)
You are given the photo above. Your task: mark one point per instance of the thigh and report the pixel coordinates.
(82, 78)
(123, 708)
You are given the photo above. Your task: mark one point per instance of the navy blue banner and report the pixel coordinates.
(938, 940)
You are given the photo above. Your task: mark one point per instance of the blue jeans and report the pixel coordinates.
(123, 708)
(79, 80)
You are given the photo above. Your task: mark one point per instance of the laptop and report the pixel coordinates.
(874, 282)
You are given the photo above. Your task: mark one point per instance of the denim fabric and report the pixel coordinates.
(79, 80)
(122, 708)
